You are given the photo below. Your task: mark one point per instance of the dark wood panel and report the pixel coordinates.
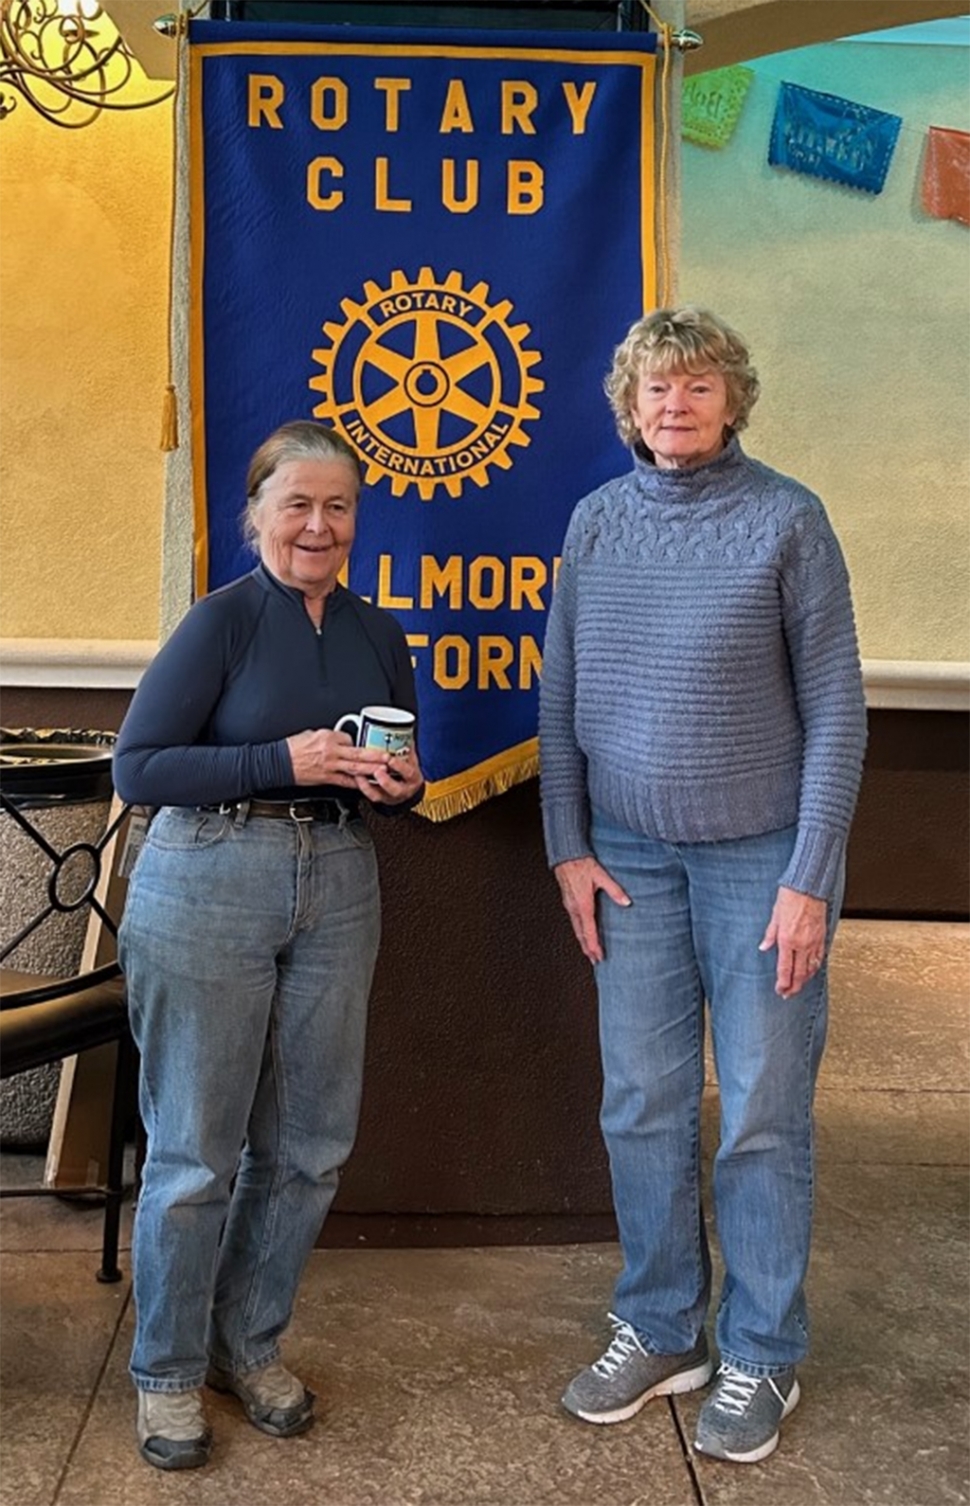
(482, 1084)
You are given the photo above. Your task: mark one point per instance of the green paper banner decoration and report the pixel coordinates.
(712, 104)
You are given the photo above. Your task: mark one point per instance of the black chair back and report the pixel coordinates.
(45, 1019)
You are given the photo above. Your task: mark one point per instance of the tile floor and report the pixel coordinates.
(439, 1369)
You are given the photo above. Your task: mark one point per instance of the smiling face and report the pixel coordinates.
(682, 415)
(305, 523)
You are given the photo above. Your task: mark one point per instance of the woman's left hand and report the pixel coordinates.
(798, 929)
(398, 779)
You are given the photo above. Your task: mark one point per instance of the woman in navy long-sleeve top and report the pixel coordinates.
(249, 940)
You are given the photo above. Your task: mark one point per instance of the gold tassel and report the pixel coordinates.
(457, 802)
(170, 419)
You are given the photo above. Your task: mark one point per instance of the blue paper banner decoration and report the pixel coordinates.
(833, 138)
(432, 241)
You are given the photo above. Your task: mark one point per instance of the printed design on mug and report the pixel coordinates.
(386, 727)
(430, 383)
(388, 739)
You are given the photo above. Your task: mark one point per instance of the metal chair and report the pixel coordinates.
(45, 1019)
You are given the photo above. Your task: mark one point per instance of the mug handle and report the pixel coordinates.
(349, 722)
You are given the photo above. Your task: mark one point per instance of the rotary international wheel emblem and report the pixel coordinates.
(428, 382)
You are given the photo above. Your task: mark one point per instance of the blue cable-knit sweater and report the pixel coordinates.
(701, 676)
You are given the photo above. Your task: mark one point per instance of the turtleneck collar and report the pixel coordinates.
(686, 482)
(269, 581)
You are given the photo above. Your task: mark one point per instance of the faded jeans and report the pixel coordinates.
(248, 948)
(699, 911)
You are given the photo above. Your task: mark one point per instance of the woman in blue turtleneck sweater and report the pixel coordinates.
(702, 730)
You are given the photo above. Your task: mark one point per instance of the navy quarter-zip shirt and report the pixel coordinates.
(245, 669)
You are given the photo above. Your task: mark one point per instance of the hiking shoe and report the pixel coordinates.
(172, 1431)
(627, 1376)
(274, 1400)
(740, 1418)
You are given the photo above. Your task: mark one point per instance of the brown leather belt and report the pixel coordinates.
(300, 811)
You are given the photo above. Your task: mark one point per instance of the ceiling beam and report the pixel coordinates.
(733, 30)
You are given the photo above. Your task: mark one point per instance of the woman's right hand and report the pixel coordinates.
(326, 757)
(579, 879)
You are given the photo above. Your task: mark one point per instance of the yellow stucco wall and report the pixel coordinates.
(857, 309)
(83, 267)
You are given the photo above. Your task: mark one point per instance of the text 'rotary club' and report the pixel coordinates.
(460, 185)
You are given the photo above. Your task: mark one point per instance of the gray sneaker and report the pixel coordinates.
(172, 1430)
(274, 1400)
(627, 1376)
(741, 1417)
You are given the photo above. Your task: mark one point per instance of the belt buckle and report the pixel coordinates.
(295, 815)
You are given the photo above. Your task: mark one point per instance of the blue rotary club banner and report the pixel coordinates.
(431, 241)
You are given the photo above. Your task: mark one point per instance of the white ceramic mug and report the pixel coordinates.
(385, 727)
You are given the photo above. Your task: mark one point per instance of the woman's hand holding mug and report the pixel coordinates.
(389, 730)
(324, 756)
(397, 780)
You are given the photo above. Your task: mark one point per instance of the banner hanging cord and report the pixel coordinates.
(666, 34)
(177, 27)
(170, 415)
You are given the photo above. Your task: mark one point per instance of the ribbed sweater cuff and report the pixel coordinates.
(567, 834)
(816, 862)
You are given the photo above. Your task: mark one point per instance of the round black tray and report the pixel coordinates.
(55, 765)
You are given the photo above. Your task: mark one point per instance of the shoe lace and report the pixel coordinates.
(735, 1390)
(178, 1415)
(185, 1408)
(624, 1343)
(276, 1386)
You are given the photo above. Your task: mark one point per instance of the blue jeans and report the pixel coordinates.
(699, 911)
(249, 949)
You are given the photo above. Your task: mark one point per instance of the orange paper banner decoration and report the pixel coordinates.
(946, 175)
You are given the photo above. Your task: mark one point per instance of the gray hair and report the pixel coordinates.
(687, 339)
(300, 440)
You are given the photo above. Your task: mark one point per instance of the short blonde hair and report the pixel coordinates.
(301, 440)
(687, 339)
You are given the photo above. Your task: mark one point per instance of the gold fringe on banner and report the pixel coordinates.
(461, 793)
